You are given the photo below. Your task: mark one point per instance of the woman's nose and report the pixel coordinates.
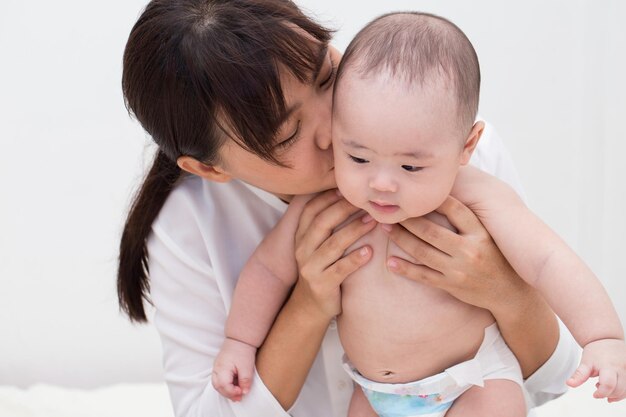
(323, 136)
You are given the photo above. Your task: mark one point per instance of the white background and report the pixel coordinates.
(70, 157)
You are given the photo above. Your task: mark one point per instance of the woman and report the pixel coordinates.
(238, 94)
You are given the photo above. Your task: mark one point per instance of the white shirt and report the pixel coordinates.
(200, 242)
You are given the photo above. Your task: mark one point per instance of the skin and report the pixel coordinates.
(283, 361)
(397, 154)
(398, 150)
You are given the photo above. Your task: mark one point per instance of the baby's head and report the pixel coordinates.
(403, 118)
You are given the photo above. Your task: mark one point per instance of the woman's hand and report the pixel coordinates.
(466, 264)
(469, 266)
(320, 250)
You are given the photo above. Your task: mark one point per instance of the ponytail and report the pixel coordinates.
(193, 70)
(132, 276)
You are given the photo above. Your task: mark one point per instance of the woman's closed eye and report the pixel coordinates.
(285, 143)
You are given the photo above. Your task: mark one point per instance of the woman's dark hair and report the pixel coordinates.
(196, 73)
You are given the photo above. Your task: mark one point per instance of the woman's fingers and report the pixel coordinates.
(334, 247)
(321, 227)
(417, 273)
(348, 264)
(315, 206)
(460, 216)
(330, 255)
(409, 239)
(438, 237)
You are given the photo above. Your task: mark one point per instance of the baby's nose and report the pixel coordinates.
(384, 183)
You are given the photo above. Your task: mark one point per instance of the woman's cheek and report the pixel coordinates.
(350, 188)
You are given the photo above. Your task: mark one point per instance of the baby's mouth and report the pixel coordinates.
(383, 207)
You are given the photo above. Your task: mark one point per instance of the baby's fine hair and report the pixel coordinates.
(418, 47)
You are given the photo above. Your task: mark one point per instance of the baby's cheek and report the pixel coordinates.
(351, 194)
(424, 200)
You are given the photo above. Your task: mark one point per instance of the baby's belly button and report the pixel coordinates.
(388, 376)
(398, 376)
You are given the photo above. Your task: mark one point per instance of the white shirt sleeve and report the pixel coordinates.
(548, 382)
(190, 316)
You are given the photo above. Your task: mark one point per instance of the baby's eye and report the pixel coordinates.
(411, 168)
(358, 160)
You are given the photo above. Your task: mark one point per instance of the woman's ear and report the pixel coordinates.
(471, 142)
(209, 172)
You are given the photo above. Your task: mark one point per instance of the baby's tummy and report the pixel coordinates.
(396, 330)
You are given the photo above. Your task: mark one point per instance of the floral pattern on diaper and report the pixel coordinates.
(402, 405)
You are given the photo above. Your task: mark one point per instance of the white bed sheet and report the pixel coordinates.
(579, 402)
(152, 400)
(123, 400)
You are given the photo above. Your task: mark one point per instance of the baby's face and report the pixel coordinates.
(397, 149)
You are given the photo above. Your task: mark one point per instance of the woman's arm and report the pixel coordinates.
(287, 354)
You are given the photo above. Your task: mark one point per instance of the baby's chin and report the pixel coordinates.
(393, 218)
(388, 218)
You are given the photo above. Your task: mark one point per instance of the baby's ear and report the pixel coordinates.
(471, 142)
(209, 172)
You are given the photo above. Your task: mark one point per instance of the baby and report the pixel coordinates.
(403, 133)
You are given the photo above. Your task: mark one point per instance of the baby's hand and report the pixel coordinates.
(233, 369)
(606, 359)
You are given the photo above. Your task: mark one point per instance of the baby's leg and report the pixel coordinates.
(359, 406)
(498, 398)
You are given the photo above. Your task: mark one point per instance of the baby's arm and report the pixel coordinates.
(545, 261)
(261, 290)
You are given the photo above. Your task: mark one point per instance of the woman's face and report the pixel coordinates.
(303, 143)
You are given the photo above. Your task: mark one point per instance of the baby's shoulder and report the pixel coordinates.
(472, 185)
(480, 190)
